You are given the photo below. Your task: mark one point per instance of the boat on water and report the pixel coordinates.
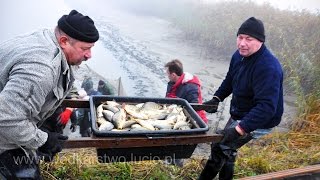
(84, 71)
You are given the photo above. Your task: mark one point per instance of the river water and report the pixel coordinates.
(132, 47)
(135, 48)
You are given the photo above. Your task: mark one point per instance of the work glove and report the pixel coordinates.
(230, 136)
(73, 127)
(214, 102)
(52, 146)
(64, 117)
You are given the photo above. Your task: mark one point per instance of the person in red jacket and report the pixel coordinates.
(184, 85)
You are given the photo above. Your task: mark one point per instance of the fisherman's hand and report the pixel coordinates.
(73, 127)
(52, 146)
(230, 136)
(214, 102)
(64, 117)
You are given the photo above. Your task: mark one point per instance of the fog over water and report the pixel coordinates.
(133, 47)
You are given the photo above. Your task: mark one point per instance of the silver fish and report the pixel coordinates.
(106, 126)
(154, 113)
(101, 120)
(145, 124)
(139, 106)
(172, 117)
(181, 117)
(140, 129)
(180, 124)
(162, 124)
(108, 115)
(129, 123)
(151, 106)
(135, 126)
(111, 108)
(113, 103)
(184, 128)
(134, 112)
(99, 111)
(119, 118)
(125, 129)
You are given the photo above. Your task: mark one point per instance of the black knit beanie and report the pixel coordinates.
(101, 82)
(253, 27)
(79, 27)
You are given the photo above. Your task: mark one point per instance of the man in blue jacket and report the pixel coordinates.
(255, 81)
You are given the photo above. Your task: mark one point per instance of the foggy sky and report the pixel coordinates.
(310, 5)
(18, 16)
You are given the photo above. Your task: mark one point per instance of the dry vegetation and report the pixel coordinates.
(293, 36)
(278, 151)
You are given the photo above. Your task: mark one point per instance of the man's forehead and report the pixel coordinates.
(245, 35)
(85, 44)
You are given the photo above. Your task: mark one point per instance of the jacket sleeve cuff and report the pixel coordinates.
(217, 98)
(39, 139)
(243, 126)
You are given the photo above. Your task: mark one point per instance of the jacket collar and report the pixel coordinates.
(256, 54)
(66, 69)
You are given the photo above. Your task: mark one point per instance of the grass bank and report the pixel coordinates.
(277, 151)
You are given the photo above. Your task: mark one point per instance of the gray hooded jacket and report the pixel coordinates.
(34, 79)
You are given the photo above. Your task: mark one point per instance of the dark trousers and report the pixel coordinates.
(223, 157)
(15, 164)
(84, 122)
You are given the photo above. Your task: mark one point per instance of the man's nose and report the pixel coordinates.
(87, 55)
(242, 42)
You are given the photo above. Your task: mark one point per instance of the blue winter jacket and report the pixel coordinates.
(256, 86)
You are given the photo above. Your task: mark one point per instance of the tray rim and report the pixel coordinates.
(203, 126)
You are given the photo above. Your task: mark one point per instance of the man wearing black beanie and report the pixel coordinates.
(255, 80)
(36, 75)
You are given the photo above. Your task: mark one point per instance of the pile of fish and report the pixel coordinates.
(148, 116)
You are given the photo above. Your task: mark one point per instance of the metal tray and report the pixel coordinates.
(198, 125)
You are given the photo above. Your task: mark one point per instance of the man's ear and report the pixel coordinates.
(63, 40)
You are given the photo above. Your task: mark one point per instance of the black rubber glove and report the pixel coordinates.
(52, 146)
(73, 127)
(230, 136)
(214, 102)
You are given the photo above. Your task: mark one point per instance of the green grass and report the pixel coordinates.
(277, 151)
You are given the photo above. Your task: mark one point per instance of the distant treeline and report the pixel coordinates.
(294, 37)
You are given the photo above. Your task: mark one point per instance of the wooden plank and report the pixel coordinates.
(198, 107)
(127, 142)
(308, 170)
(76, 103)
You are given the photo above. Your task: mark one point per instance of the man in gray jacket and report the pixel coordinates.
(35, 76)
